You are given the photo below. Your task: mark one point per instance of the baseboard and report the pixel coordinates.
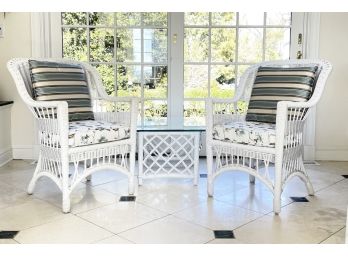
(331, 155)
(5, 157)
(25, 152)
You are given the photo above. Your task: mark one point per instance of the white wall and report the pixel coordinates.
(16, 43)
(332, 110)
(332, 121)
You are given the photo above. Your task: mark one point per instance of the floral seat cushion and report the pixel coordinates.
(89, 132)
(249, 133)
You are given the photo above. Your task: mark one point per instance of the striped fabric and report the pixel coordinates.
(62, 82)
(274, 84)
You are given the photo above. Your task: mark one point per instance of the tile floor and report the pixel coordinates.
(173, 210)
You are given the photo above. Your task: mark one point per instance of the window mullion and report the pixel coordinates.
(209, 54)
(142, 70)
(176, 73)
(236, 48)
(88, 38)
(264, 37)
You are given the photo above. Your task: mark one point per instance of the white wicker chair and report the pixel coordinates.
(55, 157)
(255, 160)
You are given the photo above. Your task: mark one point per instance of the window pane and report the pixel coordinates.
(75, 44)
(223, 18)
(107, 74)
(195, 81)
(279, 18)
(155, 45)
(251, 18)
(128, 19)
(194, 113)
(277, 44)
(196, 45)
(155, 81)
(74, 18)
(155, 112)
(196, 18)
(155, 18)
(222, 81)
(129, 80)
(101, 45)
(128, 45)
(101, 18)
(223, 45)
(250, 45)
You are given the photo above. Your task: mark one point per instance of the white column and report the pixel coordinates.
(176, 69)
(311, 32)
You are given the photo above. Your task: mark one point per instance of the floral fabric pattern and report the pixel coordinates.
(249, 133)
(90, 132)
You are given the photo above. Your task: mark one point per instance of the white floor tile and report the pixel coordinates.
(114, 240)
(169, 230)
(121, 216)
(218, 215)
(225, 241)
(7, 241)
(69, 229)
(337, 238)
(297, 223)
(105, 176)
(172, 198)
(10, 196)
(120, 187)
(28, 214)
(256, 197)
(82, 199)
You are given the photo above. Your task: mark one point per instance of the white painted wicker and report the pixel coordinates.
(255, 160)
(56, 155)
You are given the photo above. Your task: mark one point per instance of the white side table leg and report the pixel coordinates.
(141, 158)
(196, 159)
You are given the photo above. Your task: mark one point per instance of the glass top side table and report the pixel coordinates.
(169, 152)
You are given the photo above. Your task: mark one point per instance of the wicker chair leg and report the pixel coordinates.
(210, 171)
(66, 201)
(252, 179)
(33, 180)
(131, 185)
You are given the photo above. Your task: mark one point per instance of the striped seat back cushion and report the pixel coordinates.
(274, 84)
(52, 81)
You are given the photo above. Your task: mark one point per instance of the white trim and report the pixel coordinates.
(176, 74)
(331, 155)
(5, 156)
(311, 33)
(25, 152)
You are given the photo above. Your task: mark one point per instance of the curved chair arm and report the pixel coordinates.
(53, 122)
(290, 121)
(124, 117)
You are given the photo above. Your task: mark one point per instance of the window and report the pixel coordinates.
(218, 47)
(132, 53)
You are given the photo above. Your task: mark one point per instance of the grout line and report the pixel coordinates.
(331, 235)
(77, 216)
